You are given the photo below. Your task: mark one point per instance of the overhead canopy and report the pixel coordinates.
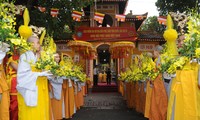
(85, 49)
(79, 43)
(121, 49)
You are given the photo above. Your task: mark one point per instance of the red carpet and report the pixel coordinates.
(105, 84)
(103, 87)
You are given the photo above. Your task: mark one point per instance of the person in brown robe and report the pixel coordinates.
(69, 100)
(159, 99)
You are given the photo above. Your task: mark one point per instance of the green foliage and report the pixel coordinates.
(165, 6)
(151, 24)
(56, 25)
(191, 43)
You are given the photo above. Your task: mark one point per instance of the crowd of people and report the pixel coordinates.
(102, 76)
(27, 93)
(171, 97)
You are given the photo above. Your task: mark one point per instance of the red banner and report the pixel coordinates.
(106, 33)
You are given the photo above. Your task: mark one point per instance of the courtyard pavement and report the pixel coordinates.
(106, 106)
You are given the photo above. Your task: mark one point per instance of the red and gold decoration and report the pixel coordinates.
(105, 33)
(76, 15)
(122, 49)
(54, 12)
(99, 17)
(120, 17)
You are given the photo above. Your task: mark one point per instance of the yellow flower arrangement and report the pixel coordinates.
(177, 64)
(148, 67)
(191, 43)
(197, 52)
(46, 61)
(143, 68)
(7, 27)
(70, 70)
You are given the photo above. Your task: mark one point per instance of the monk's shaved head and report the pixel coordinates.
(35, 41)
(32, 39)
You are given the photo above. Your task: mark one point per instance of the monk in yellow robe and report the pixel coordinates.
(32, 85)
(4, 89)
(185, 95)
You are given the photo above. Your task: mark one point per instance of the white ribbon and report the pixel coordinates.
(0, 97)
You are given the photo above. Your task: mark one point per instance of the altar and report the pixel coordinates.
(102, 77)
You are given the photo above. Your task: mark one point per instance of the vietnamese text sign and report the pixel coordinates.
(146, 47)
(105, 33)
(62, 47)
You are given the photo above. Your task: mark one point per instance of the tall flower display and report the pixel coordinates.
(7, 27)
(46, 60)
(143, 68)
(191, 46)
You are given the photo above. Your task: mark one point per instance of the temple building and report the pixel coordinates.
(109, 38)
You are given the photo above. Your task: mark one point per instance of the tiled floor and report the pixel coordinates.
(106, 106)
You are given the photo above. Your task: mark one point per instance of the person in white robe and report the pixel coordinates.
(32, 85)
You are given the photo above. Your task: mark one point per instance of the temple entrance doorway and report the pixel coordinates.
(105, 67)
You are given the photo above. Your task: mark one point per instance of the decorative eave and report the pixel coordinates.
(134, 19)
(122, 4)
(151, 40)
(112, 0)
(150, 36)
(141, 17)
(137, 19)
(62, 41)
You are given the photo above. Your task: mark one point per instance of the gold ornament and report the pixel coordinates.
(24, 30)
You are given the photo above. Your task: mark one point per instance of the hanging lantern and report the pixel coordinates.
(54, 12)
(76, 15)
(99, 17)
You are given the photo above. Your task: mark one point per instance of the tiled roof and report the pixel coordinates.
(131, 16)
(149, 36)
(112, 0)
(61, 41)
